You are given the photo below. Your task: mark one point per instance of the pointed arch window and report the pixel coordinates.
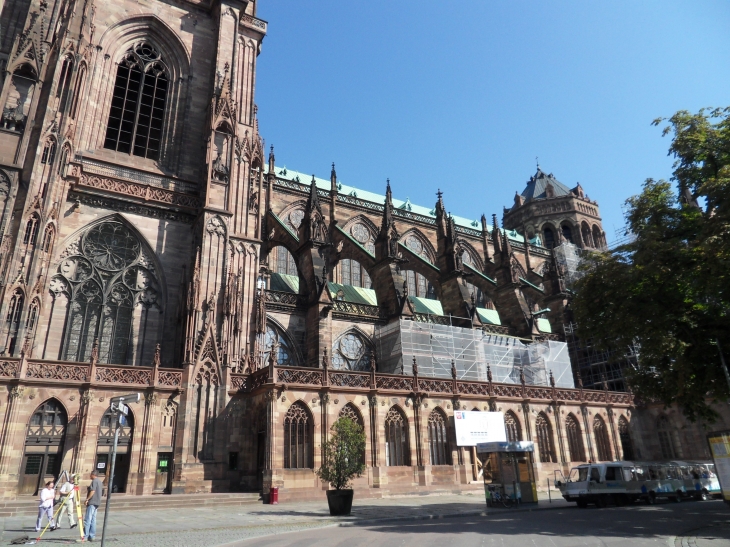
(31, 230)
(418, 285)
(549, 235)
(49, 152)
(602, 444)
(437, 439)
(298, 438)
(512, 427)
(351, 352)
(47, 424)
(544, 432)
(109, 275)
(12, 320)
(397, 451)
(286, 354)
(138, 104)
(623, 433)
(575, 439)
(351, 412)
(284, 260)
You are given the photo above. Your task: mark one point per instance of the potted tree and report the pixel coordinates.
(342, 460)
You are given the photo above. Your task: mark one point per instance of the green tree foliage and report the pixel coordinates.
(342, 457)
(669, 288)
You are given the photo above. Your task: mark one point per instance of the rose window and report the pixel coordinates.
(351, 353)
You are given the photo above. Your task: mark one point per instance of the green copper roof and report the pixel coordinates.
(407, 205)
(426, 305)
(357, 295)
(543, 325)
(489, 316)
(284, 283)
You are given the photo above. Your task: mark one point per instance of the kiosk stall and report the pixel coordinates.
(509, 467)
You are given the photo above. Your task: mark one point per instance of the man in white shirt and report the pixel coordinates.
(67, 498)
(45, 506)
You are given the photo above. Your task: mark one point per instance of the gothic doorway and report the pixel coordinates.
(44, 442)
(104, 450)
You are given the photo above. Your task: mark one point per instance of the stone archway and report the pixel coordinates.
(44, 444)
(104, 444)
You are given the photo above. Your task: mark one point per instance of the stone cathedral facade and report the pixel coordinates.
(150, 245)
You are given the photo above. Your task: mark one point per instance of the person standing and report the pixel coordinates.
(45, 506)
(93, 501)
(67, 498)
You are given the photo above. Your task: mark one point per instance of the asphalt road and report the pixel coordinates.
(689, 524)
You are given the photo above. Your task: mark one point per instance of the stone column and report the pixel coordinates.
(9, 430)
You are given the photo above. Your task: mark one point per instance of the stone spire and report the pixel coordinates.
(313, 227)
(387, 242)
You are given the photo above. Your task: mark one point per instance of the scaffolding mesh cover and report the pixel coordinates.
(435, 346)
(569, 257)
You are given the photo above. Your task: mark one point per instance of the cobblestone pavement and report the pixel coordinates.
(210, 527)
(691, 524)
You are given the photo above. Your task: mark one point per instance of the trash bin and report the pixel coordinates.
(274, 496)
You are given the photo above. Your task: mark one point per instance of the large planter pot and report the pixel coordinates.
(340, 502)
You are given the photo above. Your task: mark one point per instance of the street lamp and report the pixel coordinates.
(119, 409)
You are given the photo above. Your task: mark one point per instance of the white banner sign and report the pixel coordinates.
(473, 428)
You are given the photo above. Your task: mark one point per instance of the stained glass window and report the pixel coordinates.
(107, 275)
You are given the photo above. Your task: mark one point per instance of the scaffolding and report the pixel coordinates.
(568, 257)
(596, 366)
(471, 350)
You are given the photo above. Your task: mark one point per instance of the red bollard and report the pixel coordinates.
(274, 496)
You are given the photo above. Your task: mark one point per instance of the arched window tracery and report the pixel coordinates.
(603, 446)
(31, 230)
(286, 353)
(44, 443)
(544, 432)
(351, 352)
(138, 103)
(283, 261)
(512, 427)
(575, 439)
(397, 451)
(298, 433)
(625, 437)
(417, 284)
(12, 320)
(108, 275)
(438, 439)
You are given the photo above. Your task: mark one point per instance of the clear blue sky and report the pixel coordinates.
(463, 96)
